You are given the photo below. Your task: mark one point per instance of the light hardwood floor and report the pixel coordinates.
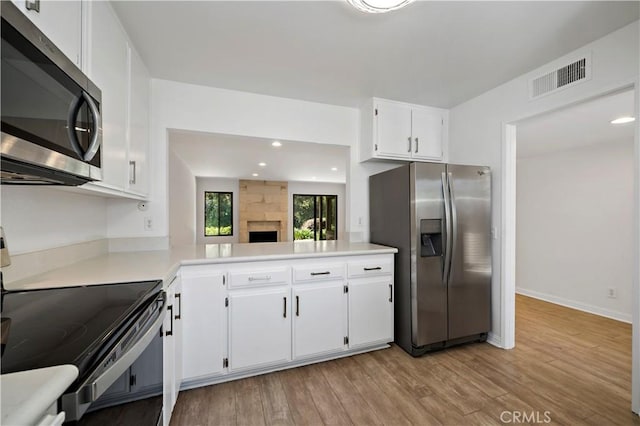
(572, 365)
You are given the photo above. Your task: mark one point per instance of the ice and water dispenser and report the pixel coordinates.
(430, 237)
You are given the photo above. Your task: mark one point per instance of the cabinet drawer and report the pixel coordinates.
(319, 272)
(368, 268)
(259, 277)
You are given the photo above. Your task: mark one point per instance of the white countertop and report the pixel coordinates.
(163, 264)
(27, 395)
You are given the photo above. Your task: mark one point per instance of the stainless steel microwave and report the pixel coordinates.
(51, 121)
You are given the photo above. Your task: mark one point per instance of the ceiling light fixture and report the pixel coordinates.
(254, 174)
(334, 169)
(623, 120)
(378, 6)
(276, 144)
(262, 164)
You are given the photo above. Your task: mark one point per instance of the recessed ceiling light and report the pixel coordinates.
(313, 178)
(262, 164)
(254, 174)
(334, 169)
(276, 143)
(623, 120)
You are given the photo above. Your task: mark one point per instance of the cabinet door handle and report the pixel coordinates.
(170, 332)
(409, 147)
(297, 306)
(313, 274)
(132, 172)
(264, 278)
(377, 268)
(417, 145)
(390, 293)
(284, 312)
(179, 314)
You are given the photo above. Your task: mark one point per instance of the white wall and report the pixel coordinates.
(184, 106)
(318, 188)
(575, 210)
(477, 132)
(182, 202)
(38, 218)
(216, 185)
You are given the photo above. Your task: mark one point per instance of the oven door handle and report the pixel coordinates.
(97, 383)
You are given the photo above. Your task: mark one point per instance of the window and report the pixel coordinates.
(218, 214)
(315, 217)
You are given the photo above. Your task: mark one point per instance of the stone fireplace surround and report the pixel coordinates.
(263, 207)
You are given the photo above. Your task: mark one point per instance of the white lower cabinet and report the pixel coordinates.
(277, 314)
(370, 310)
(320, 318)
(172, 348)
(259, 327)
(203, 320)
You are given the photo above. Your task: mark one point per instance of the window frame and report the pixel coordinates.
(293, 206)
(218, 193)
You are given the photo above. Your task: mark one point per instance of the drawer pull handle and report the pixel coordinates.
(313, 274)
(377, 268)
(265, 278)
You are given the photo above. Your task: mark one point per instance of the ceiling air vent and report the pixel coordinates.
(560, 78)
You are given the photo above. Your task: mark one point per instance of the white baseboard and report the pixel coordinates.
(495, 340)
(618, 316)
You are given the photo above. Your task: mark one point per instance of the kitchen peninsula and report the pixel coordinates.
(238, 310)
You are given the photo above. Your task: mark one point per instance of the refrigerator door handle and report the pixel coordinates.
(454, 221)
(447, 224)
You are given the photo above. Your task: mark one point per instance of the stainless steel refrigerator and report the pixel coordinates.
(439, 218)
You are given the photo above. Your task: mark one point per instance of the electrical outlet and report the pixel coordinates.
(148, 223)
(612, 293)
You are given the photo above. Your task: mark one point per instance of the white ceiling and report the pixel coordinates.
(433, 53)
(227, 156)
(583, 124)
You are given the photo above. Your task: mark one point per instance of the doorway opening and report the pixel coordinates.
(574, 250)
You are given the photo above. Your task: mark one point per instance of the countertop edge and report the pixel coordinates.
(26, 395)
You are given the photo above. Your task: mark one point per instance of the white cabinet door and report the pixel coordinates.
(138, 176)
(168, 358)
(178, 331)
(393, 130)
(203, 324)
(108, 52)
(259, 327)
(370, 311)
(61, 22)
(426, 129)
(319, 318)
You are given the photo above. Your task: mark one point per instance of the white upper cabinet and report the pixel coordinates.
(138, 136)
(61, 22)
(426, 131)
(393, 125)
(113, 64)
(108, 67)
(400, 131)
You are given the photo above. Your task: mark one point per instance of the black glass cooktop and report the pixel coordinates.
(43, 328)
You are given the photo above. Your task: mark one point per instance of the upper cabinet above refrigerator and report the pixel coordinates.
(399, 131)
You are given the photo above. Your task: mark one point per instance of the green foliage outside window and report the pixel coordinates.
(315, 217)
(218, 214)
